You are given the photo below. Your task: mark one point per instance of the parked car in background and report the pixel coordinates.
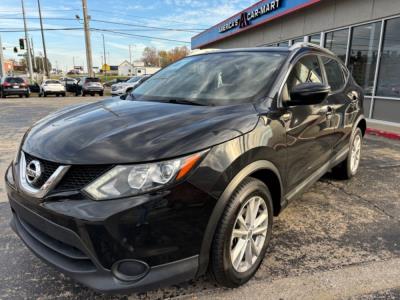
(69, 83)
(130, 90)
(51, 87)
(68, 80)
(123, 88)
(14, 86)
(89, 86)
(186, 175)
(114, 81)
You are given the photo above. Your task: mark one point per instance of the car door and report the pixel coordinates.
(344, 99)
(308, 129)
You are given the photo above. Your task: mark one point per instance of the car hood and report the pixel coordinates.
(116, 131)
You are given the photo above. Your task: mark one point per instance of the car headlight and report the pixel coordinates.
(10, 175)
(130, 180)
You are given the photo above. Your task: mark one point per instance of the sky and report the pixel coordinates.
(66, 47)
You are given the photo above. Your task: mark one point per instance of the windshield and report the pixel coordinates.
(14, 80)
(213, 79)
(133, 79)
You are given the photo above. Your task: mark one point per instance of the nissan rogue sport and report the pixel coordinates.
(187, 174)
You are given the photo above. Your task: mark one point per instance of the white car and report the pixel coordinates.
(122, 88)
(52, 87)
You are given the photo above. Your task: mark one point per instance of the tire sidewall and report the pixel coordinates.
(252, 189)
(356, 132)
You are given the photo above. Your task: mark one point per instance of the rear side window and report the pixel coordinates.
(14, 80)
(334, 73)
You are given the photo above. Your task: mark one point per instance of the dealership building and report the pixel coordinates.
(365, 34)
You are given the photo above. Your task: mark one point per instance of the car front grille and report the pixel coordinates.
(76, 178)
(48, 168)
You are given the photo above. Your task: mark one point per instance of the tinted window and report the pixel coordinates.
(336, 41)
(92, 79)
(389, 74)
(334, 73)
(214, 78)
(14, 80)
(363, 54)
(307, 69)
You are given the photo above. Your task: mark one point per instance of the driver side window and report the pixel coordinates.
(306, 70)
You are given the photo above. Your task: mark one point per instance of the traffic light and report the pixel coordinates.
(15, 50)
(21, 44)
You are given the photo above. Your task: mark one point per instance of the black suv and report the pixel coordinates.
(187, 174)
(13, 86)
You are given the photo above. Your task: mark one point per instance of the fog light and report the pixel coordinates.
(130, 269)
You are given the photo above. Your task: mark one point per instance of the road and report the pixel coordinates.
(339, 240)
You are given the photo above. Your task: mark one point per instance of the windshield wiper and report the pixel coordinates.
(187, 102)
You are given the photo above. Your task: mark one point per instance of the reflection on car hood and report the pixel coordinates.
(116, 131)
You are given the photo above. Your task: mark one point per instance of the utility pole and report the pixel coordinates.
(130, 55)
(28, 48)
(46, 69)
(105, 60)
(87, 39)
(33, 55)
(2, 71)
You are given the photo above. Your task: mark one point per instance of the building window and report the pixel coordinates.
(283, 44)
(298, 40)
(315, 39)
(363, 54)
(389, 73)
(336, 41)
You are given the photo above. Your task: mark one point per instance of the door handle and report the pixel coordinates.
(327, 110)
(286, 117)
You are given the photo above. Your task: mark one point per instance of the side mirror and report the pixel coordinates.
(123, 97)
(309, 93)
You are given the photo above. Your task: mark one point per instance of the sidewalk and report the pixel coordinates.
(385, 130)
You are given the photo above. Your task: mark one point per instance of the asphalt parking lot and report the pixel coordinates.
(341, 239)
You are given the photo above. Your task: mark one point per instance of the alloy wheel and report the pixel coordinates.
(355, 154)
(249, 234)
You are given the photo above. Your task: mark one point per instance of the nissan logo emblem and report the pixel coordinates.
(33, 171)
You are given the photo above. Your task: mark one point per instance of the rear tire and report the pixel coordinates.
(63, 94)
(20, 96)
(27, 95)
(101, 94)
(349, 167)
(243, 233)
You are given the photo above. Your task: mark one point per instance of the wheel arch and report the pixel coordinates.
(362, 124)
(263, 170)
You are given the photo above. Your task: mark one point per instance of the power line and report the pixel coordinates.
(191, 30)
(138, 35)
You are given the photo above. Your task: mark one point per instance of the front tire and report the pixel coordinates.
(349, 167)
(243, 234)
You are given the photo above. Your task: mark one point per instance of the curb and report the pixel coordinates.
(385, 134)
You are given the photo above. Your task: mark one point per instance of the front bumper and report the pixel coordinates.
(85, 239)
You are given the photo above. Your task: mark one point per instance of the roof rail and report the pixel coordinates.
(309, 45)
(202, 51)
